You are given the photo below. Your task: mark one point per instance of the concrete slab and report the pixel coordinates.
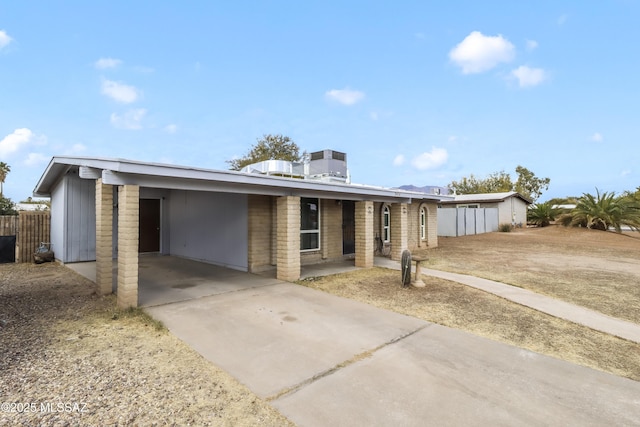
(167, 279)
(275, 338)
(441, 376)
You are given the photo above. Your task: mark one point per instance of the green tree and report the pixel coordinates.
(7, 207)
(496, 182)
(604, 211)
(4, 171)
(541, 214)
(530, 185)
(269, 147)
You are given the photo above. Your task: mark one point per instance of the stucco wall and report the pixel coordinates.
(210, 227)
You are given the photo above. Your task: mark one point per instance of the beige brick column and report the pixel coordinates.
(104, 237)
(260, 232)
(128, 234)
(288, 235)
(399, 230)
(364, 234)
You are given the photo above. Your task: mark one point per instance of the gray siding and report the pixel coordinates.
(58, 206)
(80, 221)
(210, 227)
(466, 221)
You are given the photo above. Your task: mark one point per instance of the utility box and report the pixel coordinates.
(328, 165)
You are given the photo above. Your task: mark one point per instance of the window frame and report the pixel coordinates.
(386, 224)
(310, 230)
(423, 223)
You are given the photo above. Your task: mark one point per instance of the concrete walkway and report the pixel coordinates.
(555, 307)
(322, 360)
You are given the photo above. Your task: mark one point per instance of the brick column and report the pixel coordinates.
(288, 235)
(104, 237)
(399, 230)
(364, 234)
(128, 234)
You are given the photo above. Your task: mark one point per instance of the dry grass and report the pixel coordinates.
(594, 269)
(60, 342)
(499, 256)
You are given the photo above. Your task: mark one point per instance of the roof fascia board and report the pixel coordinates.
(119, 178)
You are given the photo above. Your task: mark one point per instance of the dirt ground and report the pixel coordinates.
(595, 269)
(69, 357)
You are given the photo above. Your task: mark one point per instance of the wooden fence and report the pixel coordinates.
(8, 225)
(30, 229)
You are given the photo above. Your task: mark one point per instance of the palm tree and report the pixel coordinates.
(541, 214)
(603, 211)
(4, 171)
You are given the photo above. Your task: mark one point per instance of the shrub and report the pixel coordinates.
(541, 214)
(604, 211)
(505, 228)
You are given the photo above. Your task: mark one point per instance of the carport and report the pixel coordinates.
(112, 208)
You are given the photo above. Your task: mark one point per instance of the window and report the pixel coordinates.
(309, 224)
(423, 223)
(471, 206)
(386, 222)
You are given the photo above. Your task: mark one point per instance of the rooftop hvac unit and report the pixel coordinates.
(328, 165)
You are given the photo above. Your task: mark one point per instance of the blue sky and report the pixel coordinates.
(415, 92)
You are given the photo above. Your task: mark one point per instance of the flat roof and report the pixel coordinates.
(485, 198)
(168, 176)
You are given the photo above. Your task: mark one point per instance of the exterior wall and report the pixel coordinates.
(261, 232)
(58, 212)
(513, 211)
(79, 229)
(414, 239)
(210, 227)
(331, 229)
(510, 211)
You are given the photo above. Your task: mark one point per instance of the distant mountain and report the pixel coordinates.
(428, 189)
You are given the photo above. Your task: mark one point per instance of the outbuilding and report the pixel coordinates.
(104, 209)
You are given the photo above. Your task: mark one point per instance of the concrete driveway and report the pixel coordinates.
(324, 360)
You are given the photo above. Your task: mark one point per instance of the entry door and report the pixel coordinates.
(149, 238)
(348, 227)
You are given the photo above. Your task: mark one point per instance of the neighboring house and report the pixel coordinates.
(512, 207)
(30, 207)
(103, 209)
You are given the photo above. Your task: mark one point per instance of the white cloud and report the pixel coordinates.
(171, 128)
(14, 141)
(478, 53)
(597, 137)
(528, 76)
(532, 44)
(374, 115)
(398, 160)
(35, 159)
(120, 92)
(104, 63)
(131, 120)
(4, 39)
(344, 96)
(625, 172)
(75, 149)
(431, 159)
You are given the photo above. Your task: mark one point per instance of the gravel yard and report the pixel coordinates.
(69, 357)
